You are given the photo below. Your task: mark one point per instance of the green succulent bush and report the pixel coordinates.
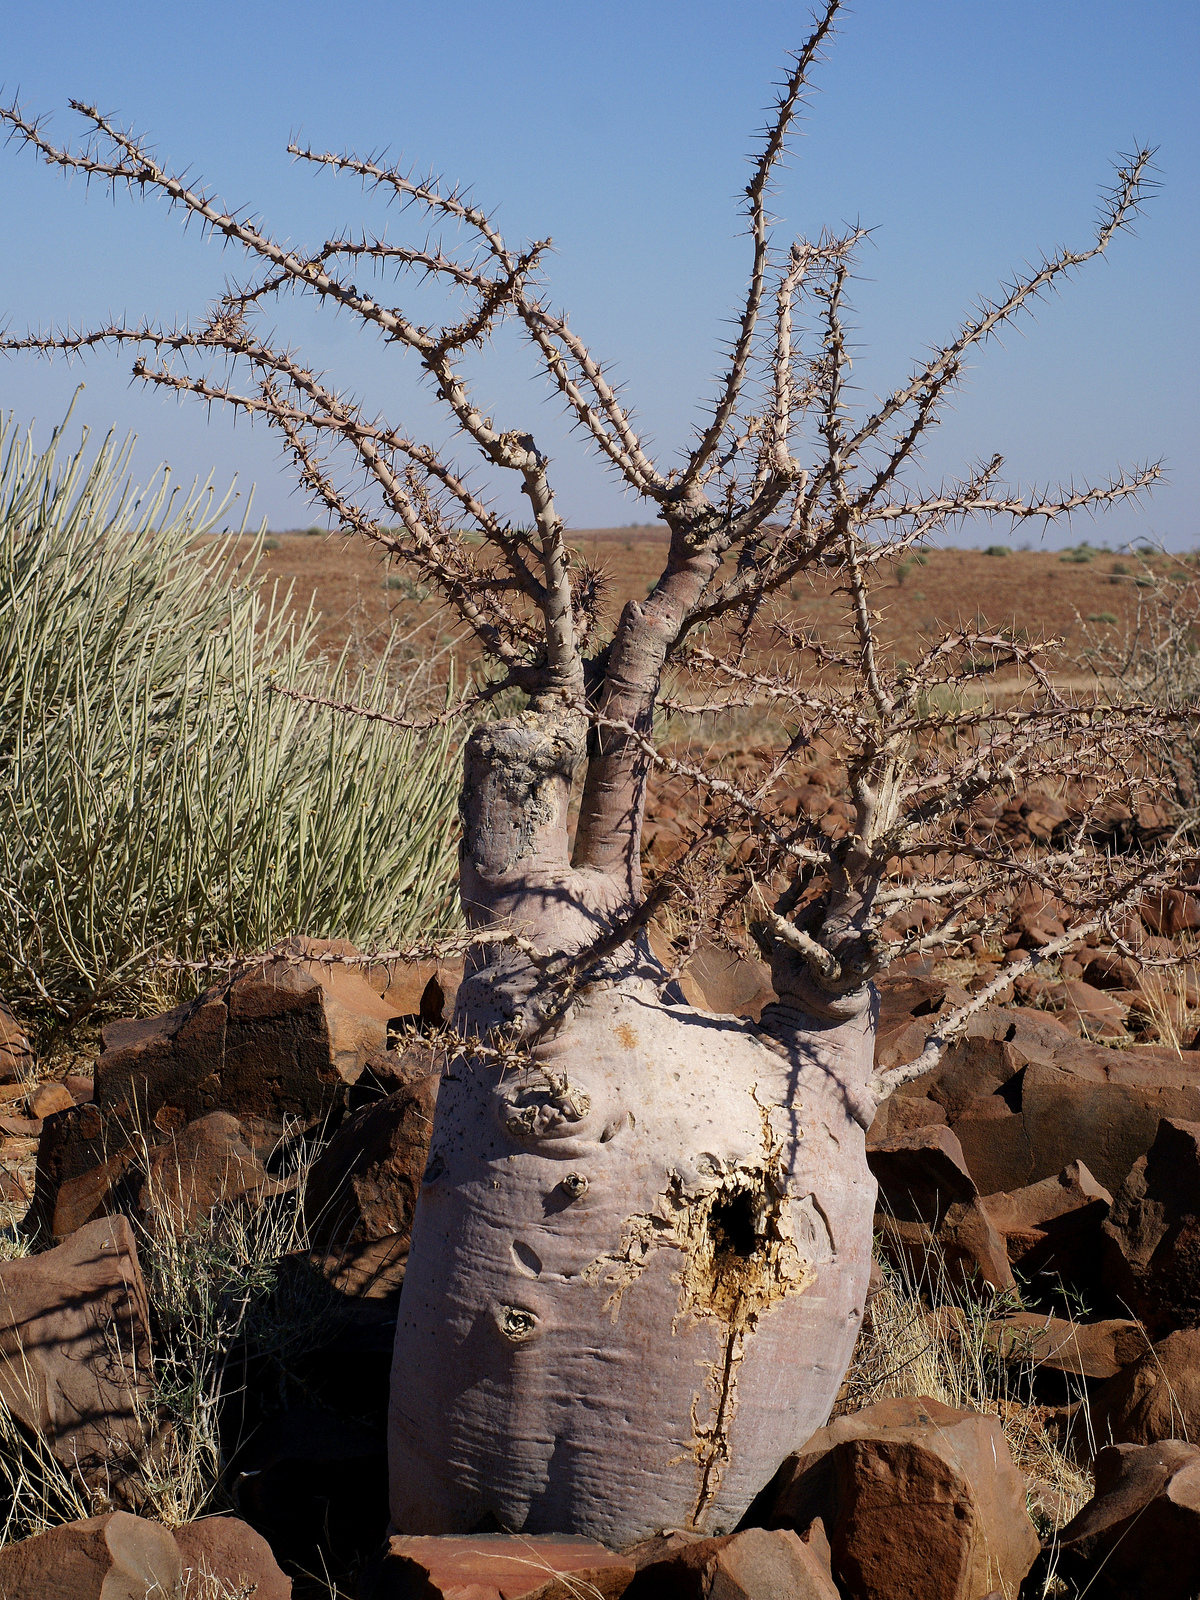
(156, 797)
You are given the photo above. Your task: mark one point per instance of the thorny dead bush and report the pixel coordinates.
(788, 476)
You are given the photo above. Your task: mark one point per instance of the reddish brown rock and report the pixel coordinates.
(279, 1042)
(206, 1164)
(276, 1045)
(90, 1166)
(16, 1054)
(1037, 919)
(114, 1557)
(225, 1555)
(1049, 1507)
(81, 1161)
(362, 1190)
(1104, 1108)
(977, 1067)
(909, 1004)
(1153, 1231)
(1086, 1103)
(21, 1127)
(925, 1194)
(978, 1083)
(387, 1071)
(921, 1173)
(718, 980)
(416, 990)
(1053, 1226)
(1171, 913)
(499, 1567)
(48, 1098)
(1083, 1349)
(1098, 1013)
(75, 1351)
(726, 983)
(757, 1564)
(918, 1499)
(1138, 1538)
(1108, 969)
(995, 1144)
(1154, 1398)
(901, 1114)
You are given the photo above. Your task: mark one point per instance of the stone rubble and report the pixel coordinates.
(1035, 1159)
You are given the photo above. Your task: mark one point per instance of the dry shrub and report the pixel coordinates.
(156, 797)
(1165, 1002)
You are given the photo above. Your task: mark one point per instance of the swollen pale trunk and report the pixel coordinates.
(628, 1301)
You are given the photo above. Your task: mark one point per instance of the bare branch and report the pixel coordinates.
(926, 388)
(774, 141)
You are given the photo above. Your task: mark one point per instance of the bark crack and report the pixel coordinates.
(740, 1254)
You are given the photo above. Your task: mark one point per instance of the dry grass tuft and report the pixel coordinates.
(218, 1292)
(205, 1585)
(929, 1337)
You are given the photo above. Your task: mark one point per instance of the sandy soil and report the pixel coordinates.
(1036, 590)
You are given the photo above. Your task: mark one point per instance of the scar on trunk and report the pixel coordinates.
(745, 1246)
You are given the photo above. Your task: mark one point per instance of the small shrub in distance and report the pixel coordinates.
(996, 550)
(410, 589)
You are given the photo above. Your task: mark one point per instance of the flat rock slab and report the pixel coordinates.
(1084, 1349)
(75, 1350)
(491, 1566)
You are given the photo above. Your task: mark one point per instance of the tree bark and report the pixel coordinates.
(639, 1263)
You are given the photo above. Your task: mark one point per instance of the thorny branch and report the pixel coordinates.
(752, 509)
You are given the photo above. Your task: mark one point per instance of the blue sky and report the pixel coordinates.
(968, 135)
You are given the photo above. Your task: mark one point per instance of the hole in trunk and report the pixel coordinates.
(731, 1226)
